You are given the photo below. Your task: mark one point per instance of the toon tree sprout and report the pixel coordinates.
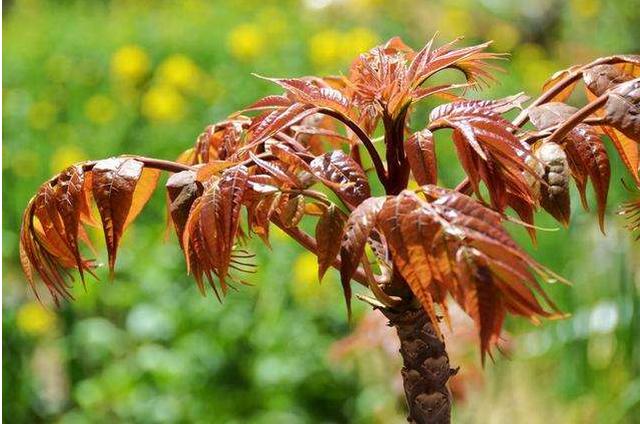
(299, 156)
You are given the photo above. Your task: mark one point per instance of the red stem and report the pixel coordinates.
(578, 117)
(398, 176)
(368, 144)
(161, 164)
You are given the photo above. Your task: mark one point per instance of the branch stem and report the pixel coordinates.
(578, 117)
(398, 169)
(366, 141)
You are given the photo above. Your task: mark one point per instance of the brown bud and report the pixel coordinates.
(554, 195)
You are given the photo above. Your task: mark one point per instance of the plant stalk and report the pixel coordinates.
(425, 370)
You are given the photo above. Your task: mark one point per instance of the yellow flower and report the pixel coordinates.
(325, 48)
(306, 288)
(305, 268)
(33, 319)
(65, 156)
(356, 41)
(100, 109)
(163, 103)
(180, 71)
(586, 8)
(504, 35)
(130, 64)
(245, 42)
(42, 115)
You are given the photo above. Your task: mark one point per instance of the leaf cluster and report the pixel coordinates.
(298, 156)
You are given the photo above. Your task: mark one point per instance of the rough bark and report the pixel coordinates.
(425, 370)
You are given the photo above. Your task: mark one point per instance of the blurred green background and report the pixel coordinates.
(93, 79)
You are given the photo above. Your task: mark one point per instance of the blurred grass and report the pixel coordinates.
(94, 79)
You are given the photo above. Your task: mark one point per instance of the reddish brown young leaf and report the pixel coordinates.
(315, 129)
(37, 256)
(144, 189)
(260, 215)
(388, 78)
(278, 120)
(550, 114)
(566, 92)
(525, 211)
(218, 141)
(270, 102)
(121, 188)
(487, 148)
(498, 161)
(589, 154)
(421, 153)
(213, 168)
(277, 171)
(356, 233)
(456, 245)
(472, 61)
(309, 92)
(483, 300)
(289, 157)
(51, 224)
(419, 229)
(51, 230)
(622, 110)
(328, 235)
(220, 218)
(627, 149)
(292, 210)
(602, 78)
(397, 213)
(412, 229)
(482, 228)
(69, 197)
(478, 107)
(197, 256)
(340, 169)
